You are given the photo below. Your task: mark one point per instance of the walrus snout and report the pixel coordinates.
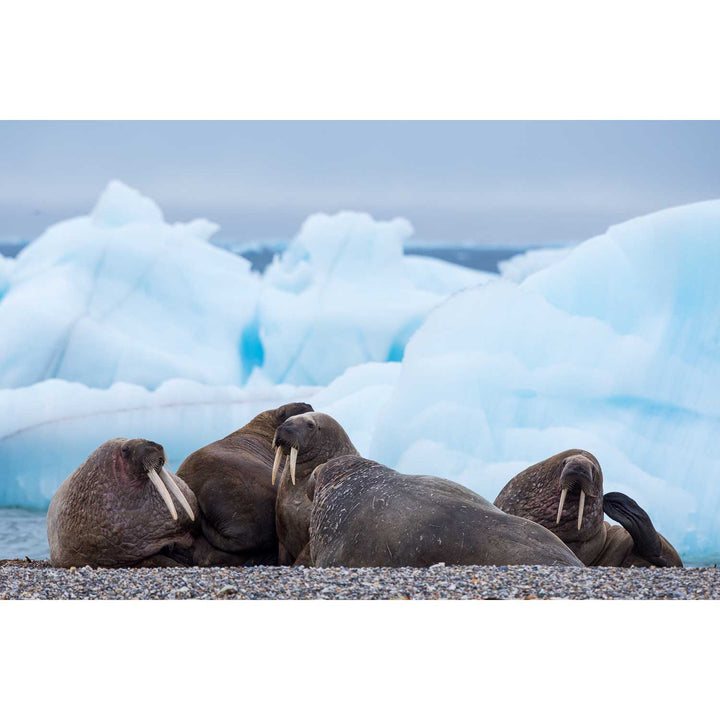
(151, 457)
(287, 439)
(577, 471)
(144, 454)
(290, 437)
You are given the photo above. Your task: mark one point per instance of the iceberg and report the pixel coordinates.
(48, 429)
(613, 348)
(343, 294)
(6, 268)
(520, 266)
(122, 296)
(122, 324)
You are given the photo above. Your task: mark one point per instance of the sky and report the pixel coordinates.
(512, 183)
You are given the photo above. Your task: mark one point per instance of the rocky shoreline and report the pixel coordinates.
(32, 579)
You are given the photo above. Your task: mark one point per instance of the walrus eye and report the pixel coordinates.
(125, 451)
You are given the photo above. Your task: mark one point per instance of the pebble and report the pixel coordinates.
(20, 579)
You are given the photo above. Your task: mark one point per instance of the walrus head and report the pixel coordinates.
(120, 507)
(145, 456)
(312, 437)
(578, 472)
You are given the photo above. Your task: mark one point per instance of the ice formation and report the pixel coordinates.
(122, 324)
(343, 293)
(614, 348)
(6, 268)
(524, 264)
(122, 296)
(48, 429)
(101, 310)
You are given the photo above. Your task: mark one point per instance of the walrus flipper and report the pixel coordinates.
(636, 521)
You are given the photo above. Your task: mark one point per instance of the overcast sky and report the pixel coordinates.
(509, 183)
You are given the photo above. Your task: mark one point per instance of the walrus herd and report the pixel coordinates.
(290, 488)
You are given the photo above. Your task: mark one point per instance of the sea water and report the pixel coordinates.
(23, 534)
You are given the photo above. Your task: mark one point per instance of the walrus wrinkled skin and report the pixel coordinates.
(564, 493)
(117, 509)
(304, 442)
(366, 515)
(231, 479)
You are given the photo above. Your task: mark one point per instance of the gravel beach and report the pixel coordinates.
(31, 579)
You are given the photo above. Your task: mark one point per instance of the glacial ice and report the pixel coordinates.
(614, 348)
(520, 266)
(123, 296)
(6, 268)
(49, 428)
(120, 324)
(343, 294)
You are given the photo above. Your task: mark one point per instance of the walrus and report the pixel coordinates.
(365, 514)
(304, 441)
(117, 509)
(237, 503)
(564, 493)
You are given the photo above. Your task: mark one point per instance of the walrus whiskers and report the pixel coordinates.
(169, 481)
(293, 462)
(164, 494)
(581, 508)
(276, 464)
(563, 495)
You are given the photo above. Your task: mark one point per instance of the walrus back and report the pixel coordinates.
(365, 514)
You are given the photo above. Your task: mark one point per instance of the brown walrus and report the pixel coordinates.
(237, 503)
(565, 494)
(117, 510)
(306, 440)
(366, 515)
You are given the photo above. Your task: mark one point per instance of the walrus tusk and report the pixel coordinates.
(563, 495)
(581, 508)
(276, 464)
(169, 481)
(293, 461)
(164, 494)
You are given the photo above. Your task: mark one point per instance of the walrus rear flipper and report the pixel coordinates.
(636, 521)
